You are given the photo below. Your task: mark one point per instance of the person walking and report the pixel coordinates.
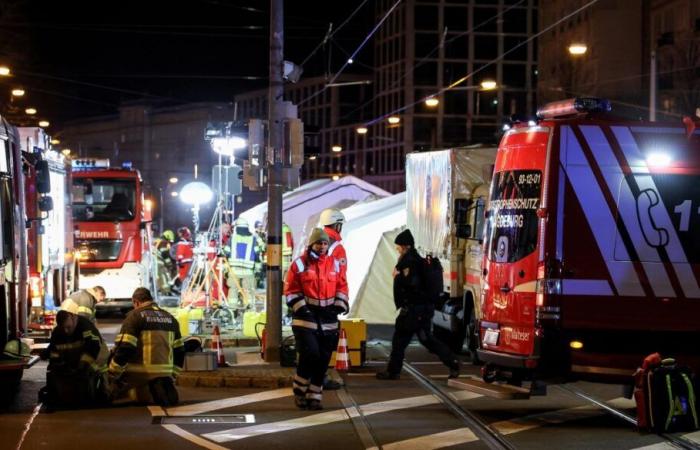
(84, 302)
(148, 354)
(316, 291)
(415, 311)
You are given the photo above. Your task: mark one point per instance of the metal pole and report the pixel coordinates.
(274, 186)
(162, 211)
(652, 87)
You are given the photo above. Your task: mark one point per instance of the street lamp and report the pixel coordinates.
(44, 123)
(431, 102)
(489, 85)
(4, 71)
(337, 148)
(30, 111)
(226, 146)
(196, 193)
(173, 180)
(577, 49)
(361, 130)
(18, 92)
(55, 141)
(174, 194)
(66, 152)
(394, 120)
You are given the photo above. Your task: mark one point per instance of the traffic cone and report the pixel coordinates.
(218, 347)
(342, 359)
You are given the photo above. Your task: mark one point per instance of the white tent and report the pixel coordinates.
(374, 300)
(366, 223)
(312, 198)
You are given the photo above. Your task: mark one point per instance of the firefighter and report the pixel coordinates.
(77, 361)
(416, 311)
(148, 354)
(164, 262)
(316, 291)
(332, 221)
(84, 301)
(183, 254)
(244, 256)
(261, 264)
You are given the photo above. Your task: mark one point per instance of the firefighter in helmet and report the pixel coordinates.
(148, 354)
(316, 291)
(183, 254)
(332, 221)
(165, 265)
(243, 258)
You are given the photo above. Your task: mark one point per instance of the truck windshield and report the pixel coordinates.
(511, 228)
(103, 200)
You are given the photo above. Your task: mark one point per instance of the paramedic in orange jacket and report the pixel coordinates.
(316, 291)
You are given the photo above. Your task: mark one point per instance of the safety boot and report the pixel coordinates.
(314, 405)
(454, 369)
(300, 401)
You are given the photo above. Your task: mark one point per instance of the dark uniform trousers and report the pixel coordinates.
(315, 349)
(416, 319)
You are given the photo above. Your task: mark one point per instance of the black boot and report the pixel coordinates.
(300, 401)
(388, 376)
(454, 369)
(313, 405)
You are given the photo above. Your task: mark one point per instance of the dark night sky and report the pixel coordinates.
(80, 58)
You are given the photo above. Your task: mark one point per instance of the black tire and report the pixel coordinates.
(472, 338)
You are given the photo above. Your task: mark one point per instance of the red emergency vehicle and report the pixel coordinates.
(592, 245)
(113, 230)
(13, 256)
(53, 270)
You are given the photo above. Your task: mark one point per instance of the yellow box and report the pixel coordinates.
(184, 315)
(356, 331)
(250, 320)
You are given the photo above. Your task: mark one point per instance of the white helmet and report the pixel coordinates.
(330, 216)
(241, 222)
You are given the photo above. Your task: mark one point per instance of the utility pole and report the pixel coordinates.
(274, 184)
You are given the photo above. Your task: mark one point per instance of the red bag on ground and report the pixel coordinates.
(640, 389)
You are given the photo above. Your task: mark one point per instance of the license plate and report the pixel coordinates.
(491, 337)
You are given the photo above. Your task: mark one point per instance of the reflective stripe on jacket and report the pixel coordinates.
(316, 290)
(85, 303)
(149, 345)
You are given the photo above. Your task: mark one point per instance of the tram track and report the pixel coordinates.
(676, 441)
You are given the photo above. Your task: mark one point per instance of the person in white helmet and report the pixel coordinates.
(332, 220)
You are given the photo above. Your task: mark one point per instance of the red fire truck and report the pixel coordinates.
(592, 245)
(13, 256)
(113, 230)
(52, 267)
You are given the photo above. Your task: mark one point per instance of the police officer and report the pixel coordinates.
(77, 361)
(84, 302)
(244, 256)
(148, 354)
(416, 311)
(316, 291)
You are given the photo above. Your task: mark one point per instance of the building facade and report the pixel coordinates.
(162, 143)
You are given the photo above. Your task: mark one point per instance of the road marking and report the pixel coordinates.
(694, 436)
(199, 408)
(193, 438)
(659, 446)
(324, 418)
(505, 427)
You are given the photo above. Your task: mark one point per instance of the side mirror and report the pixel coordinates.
(43, 178)
(45, 204)
(144, 223)
(463, 231)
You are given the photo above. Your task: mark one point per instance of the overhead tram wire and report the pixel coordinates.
(329, 35)
(488, 64)
(354, 54)
(446, 42)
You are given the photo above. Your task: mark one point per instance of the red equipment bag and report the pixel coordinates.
(640, 389)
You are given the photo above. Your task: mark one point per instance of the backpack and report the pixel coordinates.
(432, 278)
(669, 397)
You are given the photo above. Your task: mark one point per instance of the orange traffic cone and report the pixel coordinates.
(342, 359)
(218, 347)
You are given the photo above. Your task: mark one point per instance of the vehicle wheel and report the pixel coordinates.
(472, 339)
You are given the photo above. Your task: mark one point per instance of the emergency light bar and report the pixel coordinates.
(573, 106)
(89, 164)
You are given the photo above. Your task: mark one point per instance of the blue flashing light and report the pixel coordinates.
(37, 150)
(573, 107)
(127, 165)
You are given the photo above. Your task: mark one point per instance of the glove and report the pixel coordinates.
(303, 313)
(336, 310)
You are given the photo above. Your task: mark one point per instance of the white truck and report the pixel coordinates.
(446, 191)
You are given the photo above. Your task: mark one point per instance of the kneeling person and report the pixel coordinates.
(148, 354)
(77, 362)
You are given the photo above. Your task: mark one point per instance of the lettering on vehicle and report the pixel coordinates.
(515, 203)
(93, 234)
(510, 334)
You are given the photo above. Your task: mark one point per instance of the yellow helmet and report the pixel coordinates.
(16, 349)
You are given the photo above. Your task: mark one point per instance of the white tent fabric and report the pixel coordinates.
(365, 224)
(374, 301)
(312, 198)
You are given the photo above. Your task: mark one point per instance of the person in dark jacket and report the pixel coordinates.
(77, 361)
(415, 311)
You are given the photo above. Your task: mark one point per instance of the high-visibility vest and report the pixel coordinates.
(287, 241)
(243, 252)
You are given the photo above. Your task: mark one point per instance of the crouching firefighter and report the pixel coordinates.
(148, 355)
(77, 363)
(316, 291)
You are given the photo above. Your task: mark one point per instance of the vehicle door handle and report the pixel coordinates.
(505, 289)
